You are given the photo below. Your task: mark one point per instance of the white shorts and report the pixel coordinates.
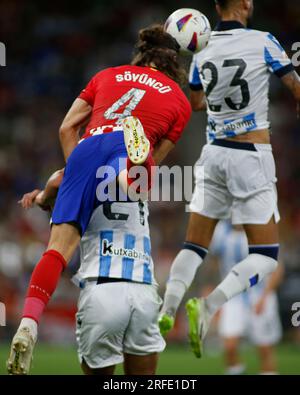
(116, 318)
(238, 319)
(238, 183)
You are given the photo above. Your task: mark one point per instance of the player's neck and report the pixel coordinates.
(234, 16)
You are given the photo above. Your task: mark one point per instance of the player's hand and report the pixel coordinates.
(41, 202)
(28, 200)
(260, 305)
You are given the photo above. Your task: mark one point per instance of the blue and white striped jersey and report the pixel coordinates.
(231, 247)
(117, 244)
(234, 71)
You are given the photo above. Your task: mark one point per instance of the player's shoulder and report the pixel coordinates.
(259, 36)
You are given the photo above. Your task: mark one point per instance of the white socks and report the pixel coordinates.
(242, 276)
(32, 325)
(236, 370)
(181, 277)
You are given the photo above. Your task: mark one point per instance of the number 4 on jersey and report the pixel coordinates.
(133, 97)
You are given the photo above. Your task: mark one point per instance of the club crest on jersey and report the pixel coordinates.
(183, 21)
(108, 249)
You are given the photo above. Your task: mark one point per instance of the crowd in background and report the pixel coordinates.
(53, 48)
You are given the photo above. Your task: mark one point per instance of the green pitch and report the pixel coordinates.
(175, 360)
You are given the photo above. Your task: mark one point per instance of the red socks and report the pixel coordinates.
(148, 164)
(43, 283)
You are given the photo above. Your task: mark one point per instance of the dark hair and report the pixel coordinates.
(224, 4)
(159, 48)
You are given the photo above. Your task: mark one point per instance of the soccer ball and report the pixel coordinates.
(190, 28)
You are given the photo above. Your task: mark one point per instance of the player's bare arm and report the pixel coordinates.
(75, 119)
(28, 199)
(44, 198)
(292, 81)
(161, 150)
(197, 99)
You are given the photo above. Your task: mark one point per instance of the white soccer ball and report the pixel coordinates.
(190, 28)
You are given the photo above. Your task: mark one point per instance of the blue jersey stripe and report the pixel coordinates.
(105, 260)
(195, 81)
(128, 263)
(273, 63)
(147, 277)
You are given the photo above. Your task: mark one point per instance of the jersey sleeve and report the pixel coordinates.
(180, 123)
(276, 58)
(89, 92)
(194, 76)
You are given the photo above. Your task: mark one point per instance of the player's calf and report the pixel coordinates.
(261, 261)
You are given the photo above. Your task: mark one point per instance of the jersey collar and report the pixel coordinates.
(229, 25)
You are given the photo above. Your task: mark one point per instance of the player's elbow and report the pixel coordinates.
(65, 131)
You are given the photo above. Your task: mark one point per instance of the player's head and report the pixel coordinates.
(241, 8)
(157, 48)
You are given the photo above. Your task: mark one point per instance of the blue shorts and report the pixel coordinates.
(77, 199)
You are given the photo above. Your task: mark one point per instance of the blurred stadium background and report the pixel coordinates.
(53, 48)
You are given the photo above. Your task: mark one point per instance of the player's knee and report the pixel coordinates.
(268, 252)
(266, 257)
(192, 254)
(200, 230)
(196, 248)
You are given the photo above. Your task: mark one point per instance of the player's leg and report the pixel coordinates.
(140, 364)
(211, 201)
(234, 365)
(101, 325)
(142, 341)
(233, 326)
(267, 356)
(108, 371)
(265, 332)
(74, 205)
(64, 240)
(262, 260)
(198, 237)
(254, 204)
